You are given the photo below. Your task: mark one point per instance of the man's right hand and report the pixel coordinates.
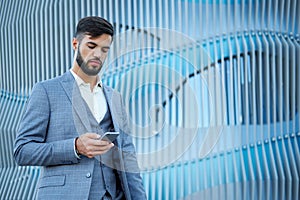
(88, 144)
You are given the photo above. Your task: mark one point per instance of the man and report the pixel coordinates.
(64, 120)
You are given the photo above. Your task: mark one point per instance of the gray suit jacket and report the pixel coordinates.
(53, 117)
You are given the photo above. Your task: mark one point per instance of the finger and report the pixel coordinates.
(103, 147)
(89, 138)
(104, 142)
(100, 143)
(100, 152)
(100, 147)
(91, 135)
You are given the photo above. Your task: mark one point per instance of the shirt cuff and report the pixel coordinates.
(75, 151)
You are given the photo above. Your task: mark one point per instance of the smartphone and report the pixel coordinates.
(109, 136)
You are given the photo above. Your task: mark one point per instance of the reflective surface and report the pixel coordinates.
(211, 89)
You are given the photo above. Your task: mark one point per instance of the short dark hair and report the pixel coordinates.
(93, 26)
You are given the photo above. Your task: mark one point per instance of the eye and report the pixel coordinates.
(105, 50)
(91, 46)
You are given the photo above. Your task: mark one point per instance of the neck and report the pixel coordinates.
(92, 80)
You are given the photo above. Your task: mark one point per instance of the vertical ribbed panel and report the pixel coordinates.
(211, 88)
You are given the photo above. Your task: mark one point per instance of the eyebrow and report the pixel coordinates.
(93, 43)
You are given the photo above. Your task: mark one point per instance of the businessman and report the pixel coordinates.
(64, 120)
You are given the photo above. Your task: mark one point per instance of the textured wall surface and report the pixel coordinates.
(211, 88)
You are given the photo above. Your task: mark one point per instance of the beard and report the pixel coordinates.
(90, 71)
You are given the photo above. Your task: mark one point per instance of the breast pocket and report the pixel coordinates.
(52, 181)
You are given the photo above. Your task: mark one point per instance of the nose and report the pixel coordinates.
(98, 53)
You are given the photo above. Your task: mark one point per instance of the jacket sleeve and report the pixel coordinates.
(31, 147)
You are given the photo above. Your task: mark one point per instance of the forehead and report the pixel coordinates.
(102, 40)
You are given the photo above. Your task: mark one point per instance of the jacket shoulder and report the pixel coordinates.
(54, 81)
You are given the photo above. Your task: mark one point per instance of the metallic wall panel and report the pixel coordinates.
(211, 88)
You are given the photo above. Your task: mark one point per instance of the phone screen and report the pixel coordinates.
(109, 136)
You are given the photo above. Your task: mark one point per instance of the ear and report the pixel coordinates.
(75, 44)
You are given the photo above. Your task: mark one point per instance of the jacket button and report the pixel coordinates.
(88, 175)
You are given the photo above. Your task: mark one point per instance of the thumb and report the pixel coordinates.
(92, 135)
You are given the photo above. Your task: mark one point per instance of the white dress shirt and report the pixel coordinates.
(95, 100)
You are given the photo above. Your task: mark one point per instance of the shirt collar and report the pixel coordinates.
(79, 80)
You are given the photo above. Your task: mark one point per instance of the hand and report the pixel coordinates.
(89, 145)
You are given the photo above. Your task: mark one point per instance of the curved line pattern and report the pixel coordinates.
(240, 58)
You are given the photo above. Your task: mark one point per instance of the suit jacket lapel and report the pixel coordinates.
(114, 105)
(79, 111)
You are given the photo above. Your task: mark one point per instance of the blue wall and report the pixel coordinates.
(211, 89)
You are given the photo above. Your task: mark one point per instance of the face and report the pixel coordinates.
(92, 52)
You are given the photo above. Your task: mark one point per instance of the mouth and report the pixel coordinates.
(95, 62)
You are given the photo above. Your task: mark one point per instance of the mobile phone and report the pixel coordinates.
(109, 136)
